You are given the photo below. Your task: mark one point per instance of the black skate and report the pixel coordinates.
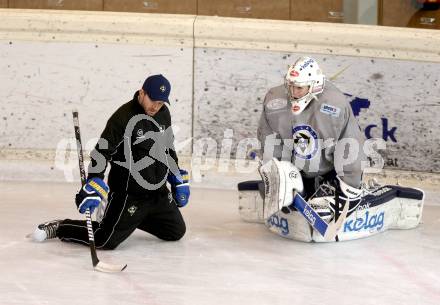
(47, 230)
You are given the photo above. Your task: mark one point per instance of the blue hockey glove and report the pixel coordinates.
(91, 194)
(180, 187)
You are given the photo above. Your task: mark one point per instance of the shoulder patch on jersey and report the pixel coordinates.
(276, 104)
(330, 110)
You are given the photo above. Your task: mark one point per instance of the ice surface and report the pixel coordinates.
(221, 259)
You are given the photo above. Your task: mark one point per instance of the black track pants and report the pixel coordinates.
(155, 213)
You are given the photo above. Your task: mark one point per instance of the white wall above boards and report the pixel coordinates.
(54, 61)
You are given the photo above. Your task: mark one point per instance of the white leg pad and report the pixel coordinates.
(292, 226)
(365, 221)
(250, 205)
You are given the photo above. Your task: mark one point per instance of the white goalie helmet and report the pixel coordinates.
(304, 72)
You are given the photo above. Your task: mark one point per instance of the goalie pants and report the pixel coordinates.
(312, 184)
(155, 213)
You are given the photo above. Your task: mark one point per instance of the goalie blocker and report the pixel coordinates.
(372, 209)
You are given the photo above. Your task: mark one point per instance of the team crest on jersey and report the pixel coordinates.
(305, 142)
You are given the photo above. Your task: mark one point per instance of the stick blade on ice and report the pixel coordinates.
(109, 268)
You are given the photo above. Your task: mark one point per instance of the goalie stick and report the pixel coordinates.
(328, 230)
(97, 264)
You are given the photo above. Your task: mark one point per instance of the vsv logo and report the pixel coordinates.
(365, 223)
(279, 222)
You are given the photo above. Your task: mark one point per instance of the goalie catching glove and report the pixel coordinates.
(91, 194)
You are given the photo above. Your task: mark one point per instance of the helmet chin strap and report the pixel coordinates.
(298, 105)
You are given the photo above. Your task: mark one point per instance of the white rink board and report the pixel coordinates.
(41, 82)
(231, 85)
(52, 61)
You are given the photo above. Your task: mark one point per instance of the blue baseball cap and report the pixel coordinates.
(157, 88)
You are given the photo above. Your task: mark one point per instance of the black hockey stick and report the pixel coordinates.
(97, 264)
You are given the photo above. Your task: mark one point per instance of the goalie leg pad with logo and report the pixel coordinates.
(371, 210)
(384, 208)
(379, 209)
(292, 225)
